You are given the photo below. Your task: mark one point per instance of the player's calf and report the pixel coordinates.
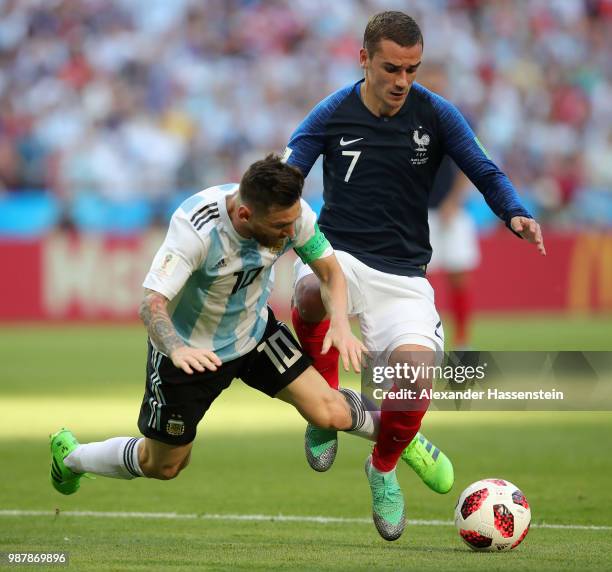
(162, 461)
(316, 401)
(163, 473)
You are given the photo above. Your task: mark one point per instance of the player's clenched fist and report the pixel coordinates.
(189, 359)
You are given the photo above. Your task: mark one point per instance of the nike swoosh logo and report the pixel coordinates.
(343, 142)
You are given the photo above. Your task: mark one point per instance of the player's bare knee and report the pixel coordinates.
(308, 300)
(164, 472)
(414, 362)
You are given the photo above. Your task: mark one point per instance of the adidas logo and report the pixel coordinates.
(220, 264)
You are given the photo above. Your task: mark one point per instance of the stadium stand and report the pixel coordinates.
(111, 106)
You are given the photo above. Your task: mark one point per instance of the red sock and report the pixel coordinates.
(311, 335)
(398, 426)
(461, 311)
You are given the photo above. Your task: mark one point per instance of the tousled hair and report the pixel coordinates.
(395, 26)
(270, 183)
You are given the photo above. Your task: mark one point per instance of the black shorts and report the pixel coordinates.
(174, 402)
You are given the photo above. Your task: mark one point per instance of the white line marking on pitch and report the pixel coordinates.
(261, 517)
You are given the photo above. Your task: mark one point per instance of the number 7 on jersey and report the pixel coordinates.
(355, 157)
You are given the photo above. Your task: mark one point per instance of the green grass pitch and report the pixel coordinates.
(248, 462)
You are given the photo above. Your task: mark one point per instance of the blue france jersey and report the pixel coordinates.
(218, 282)
(378, 173)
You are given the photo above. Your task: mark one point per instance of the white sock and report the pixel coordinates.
(116, 458)
(378, 470)
(366, 418)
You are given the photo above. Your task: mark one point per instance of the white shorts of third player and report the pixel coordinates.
(455, 245)
(392, 310)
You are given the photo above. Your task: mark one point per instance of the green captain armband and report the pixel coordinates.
(315, 246)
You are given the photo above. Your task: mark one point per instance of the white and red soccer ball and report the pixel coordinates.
(493, 515)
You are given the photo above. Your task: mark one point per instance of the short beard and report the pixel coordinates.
(269, 242)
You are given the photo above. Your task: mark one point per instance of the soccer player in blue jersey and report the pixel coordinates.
(205, 309)
(382, 140)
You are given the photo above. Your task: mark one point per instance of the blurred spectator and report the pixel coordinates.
(143, 98)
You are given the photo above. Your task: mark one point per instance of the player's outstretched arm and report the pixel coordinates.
(333, 295)
(530, 230)
(154, 313)
(471, 157)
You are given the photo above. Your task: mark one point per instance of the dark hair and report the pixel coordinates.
(395, 26)
(271, 183)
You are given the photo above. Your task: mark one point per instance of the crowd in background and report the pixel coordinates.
(128, 98)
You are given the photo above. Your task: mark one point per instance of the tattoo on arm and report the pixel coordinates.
(154, 314)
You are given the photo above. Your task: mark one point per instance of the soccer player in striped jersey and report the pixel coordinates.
(382, 140)
(205, 309)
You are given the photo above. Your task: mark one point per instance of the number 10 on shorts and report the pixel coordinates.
(277, 353)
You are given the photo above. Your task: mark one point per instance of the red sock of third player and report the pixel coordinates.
(461, 311)
(399, 423)
(311, 336)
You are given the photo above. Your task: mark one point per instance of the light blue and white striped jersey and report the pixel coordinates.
(218, 282)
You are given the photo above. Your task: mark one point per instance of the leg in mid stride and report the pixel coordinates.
(117, 457)
(310, 324)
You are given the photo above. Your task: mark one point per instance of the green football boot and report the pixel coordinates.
(320, 446)
(431, 464)
(62, 478)
(388, 509)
